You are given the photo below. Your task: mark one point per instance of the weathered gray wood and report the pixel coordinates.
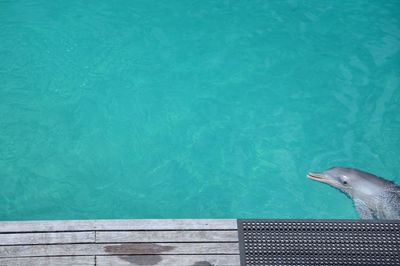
(46, 261)
(170, 260)
(118, 249)
(136, 224)
(167, 236)
(47, 238)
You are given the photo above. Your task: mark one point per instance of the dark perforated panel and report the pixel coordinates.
(319, 242)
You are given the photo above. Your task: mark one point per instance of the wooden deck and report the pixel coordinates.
(120, 242)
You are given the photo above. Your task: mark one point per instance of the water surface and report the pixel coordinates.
(193, 109)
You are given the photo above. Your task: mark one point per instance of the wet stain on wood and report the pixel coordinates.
(202, 263)
(142, 260)
(137, 249)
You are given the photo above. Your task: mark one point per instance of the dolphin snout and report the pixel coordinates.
(315, 176)
(321, 177)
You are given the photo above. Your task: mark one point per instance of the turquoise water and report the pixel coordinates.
(193, 109)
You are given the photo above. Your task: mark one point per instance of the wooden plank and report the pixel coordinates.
(47, 238)
(166, 236)
(135, 224)
(46, 261)
(170, 260)
(118, 249)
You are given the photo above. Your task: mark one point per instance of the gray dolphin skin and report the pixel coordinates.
(373, 196)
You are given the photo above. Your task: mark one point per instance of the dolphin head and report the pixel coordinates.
(353, 182)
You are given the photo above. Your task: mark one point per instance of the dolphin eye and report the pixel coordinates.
(343, 179)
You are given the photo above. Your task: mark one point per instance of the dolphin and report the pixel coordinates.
(373, 196)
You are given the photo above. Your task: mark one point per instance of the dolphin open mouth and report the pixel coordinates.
(324, 178)
(316, 176)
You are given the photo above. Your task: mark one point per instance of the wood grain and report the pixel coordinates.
(47, 238)
(47, 261)
(170, 260)
(167, 236)
(119, 249)
(135, 224)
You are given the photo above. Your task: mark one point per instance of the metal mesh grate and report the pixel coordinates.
(319, 242)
